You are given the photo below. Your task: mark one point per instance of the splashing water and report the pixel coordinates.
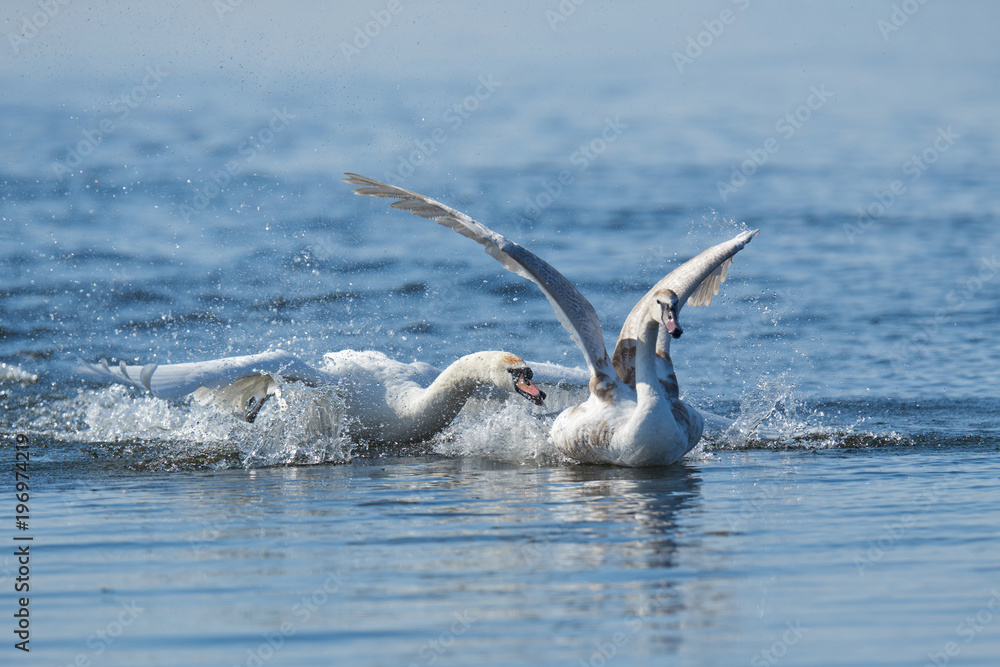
(306, 427)
(511, 432)
(769, 416)
(15, 374)
(115, 414)
(303, 425)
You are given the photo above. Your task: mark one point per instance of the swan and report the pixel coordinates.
(385, 401)
(633, 415)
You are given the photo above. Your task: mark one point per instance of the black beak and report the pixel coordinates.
(525, 387)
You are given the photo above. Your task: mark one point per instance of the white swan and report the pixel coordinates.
(636, 419)
(385, 401)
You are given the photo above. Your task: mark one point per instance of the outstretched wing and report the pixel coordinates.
(697, 280)
(694, 282)
(240, 384)
(575, 313)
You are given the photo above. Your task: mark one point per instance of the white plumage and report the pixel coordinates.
(385, 401)
(634, 416)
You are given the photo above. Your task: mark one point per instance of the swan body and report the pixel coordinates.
(641, 425)
(385, 401)
(634, 415)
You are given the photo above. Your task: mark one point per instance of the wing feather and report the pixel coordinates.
(694, 282)
(709, 287)
(699, 278)
(574, 312)
(176, 380)
(237, 384)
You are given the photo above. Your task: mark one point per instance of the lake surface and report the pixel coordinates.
(176, 215)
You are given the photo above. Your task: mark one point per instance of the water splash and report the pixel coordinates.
(303, 425)
(513, 432)
(15, 374)
(306, 427)
(772, 401)
(117, 414)
(772, 416)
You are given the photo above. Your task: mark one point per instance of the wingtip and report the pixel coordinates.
(352, 178)
(85, 367)
(364, 181)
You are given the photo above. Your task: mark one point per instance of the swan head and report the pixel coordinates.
(669, 304)
(512, 374)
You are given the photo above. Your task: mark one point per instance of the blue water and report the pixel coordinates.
(167, 207)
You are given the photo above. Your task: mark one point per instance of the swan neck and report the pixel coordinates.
(439, 403)
(645, 357)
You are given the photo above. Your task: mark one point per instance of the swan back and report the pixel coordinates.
(375, 367)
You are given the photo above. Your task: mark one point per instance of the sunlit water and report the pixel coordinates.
(861, 530)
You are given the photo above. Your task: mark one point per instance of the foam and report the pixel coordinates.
(12, 373)
(305, 425)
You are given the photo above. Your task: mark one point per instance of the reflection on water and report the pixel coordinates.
(712, 558)
(515, 545)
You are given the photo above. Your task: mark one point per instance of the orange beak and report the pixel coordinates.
(529, 390)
